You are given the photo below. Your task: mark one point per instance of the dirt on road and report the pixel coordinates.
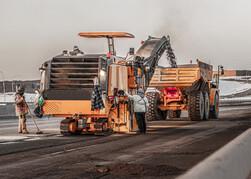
(169, 149)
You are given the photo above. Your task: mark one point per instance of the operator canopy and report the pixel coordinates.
(106, 35)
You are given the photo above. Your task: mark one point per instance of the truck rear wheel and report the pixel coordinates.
(207, 106)
(154, 113)
(174, 114)
(196, 106)
(163, 115)
(214, 110)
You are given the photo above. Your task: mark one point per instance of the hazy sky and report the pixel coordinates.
(32, 31)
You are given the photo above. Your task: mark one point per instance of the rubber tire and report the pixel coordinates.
(64, 127)
(196, 106)
(163, 115)
(206, 106)
(174, 114)
(214, 110)
(153, 113)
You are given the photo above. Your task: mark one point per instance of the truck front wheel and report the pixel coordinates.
(207, 106)
(214, 109)
(196, 106)
(154, 113)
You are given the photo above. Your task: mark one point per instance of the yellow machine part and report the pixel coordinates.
(69, 107)
(131, 78)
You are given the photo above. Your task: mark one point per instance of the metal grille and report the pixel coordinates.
(73, 72)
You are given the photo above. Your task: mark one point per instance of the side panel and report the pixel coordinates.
(131, 78)
(206, 71)
(118, 78)
(181, 77)
(121, 119)
(68, 107)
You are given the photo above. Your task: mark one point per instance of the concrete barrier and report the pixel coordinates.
(233, 161)
(235, 101)
(7, 110)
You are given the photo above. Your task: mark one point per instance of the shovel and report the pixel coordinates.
(34, 120)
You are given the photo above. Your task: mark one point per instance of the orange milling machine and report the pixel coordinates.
(68, 83)
(88, 90)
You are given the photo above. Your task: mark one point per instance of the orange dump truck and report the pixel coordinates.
(188, 87)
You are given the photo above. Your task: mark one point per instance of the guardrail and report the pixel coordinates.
(230, 162)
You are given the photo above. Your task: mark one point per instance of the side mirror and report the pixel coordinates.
(131, 51)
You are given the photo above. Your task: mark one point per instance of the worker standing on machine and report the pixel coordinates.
(140, 107)
(21, 110)
(76, 51)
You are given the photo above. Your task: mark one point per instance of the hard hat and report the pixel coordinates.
(140, 91)
(21, 90)
(75, 47)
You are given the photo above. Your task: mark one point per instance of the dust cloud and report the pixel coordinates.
(31, 31)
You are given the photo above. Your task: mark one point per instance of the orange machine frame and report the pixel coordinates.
(67, 108)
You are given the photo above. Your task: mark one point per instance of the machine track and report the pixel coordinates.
(64, 127)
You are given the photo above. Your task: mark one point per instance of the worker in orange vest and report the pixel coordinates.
(21, 110)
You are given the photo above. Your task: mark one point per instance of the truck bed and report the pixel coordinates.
(183, 76)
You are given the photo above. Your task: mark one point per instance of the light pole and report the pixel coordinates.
(4, 97)
(220, 72)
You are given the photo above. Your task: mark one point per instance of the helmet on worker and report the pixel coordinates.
(21, 90)
(141, 92)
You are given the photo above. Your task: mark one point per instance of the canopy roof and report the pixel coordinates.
(106, 35)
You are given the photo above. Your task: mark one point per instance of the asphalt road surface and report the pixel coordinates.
(168, 149)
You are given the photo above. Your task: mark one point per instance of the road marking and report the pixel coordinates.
(11, 138)
(20, 139)
(32, 139)
(4, 143)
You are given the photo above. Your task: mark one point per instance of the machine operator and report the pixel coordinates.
(140, 107)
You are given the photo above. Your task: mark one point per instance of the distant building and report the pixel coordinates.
(229, 73)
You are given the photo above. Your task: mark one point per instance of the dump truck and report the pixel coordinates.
(190, 87)
(88, 90)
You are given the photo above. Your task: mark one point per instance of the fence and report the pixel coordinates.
(10, 86)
